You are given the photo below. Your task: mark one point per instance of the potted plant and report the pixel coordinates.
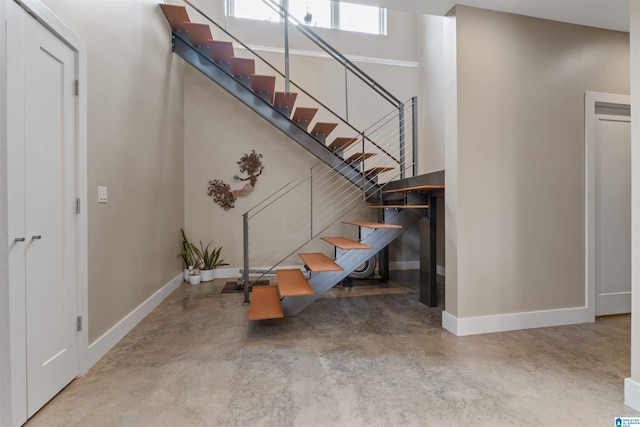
(189, 257)
(308, 17)
(209, 260)
(194, 275)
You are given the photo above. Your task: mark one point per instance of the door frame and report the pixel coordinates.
(16, 314)
(590, 123)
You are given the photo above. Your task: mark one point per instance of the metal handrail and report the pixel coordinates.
(257, 55)
(391, 127)
(333, 195)
(320, 42)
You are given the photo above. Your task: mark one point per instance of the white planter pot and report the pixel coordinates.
(195, 279)
(207, 275)
(186, 274)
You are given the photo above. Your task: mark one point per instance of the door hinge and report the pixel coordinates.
(76, 87)
(78, 205)
(79, 324)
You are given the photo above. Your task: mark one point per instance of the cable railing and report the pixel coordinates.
(309, 94)
(293, 218)
(352, 93)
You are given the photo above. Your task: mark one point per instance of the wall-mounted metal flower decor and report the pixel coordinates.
(222, 193)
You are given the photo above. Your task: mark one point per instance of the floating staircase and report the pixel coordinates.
(399, 208)
(217, 60)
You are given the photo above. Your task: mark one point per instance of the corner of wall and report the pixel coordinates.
(5, 335)
(632, 385)
(451, 160)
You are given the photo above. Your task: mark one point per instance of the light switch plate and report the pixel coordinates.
(102, 195)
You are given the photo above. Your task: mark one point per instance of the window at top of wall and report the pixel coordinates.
(253, 9)
(317, 13)
(363, 19)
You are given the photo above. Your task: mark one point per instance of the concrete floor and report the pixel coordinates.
(369, 356)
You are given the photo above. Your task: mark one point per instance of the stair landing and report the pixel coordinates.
(369, 224)
(416, 188)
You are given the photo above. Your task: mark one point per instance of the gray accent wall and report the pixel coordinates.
(135, 148)
(515, 158)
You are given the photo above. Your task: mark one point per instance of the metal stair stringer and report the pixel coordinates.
(350, 260)
(245, 95)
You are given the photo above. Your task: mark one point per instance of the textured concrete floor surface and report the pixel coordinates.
(367, 356)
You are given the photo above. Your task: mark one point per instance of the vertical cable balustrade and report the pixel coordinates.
(317, 200)
(300, 211)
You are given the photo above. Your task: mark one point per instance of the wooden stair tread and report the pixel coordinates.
(285, 99)
(242, 67)
(265, 303)
(176, 16)
(370, 224)
(379, 169)
(199, 34)
(323, 128)
(304, 114)
(397, 206)
(264, 84)
(418, 188)
(342, 142)
(359, 156)
(319, 262)
(221, 51)
(292, 283)
(346, 244)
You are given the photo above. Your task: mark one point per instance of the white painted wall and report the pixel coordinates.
(432, 112)
(451, 161)
(632, 384)
(515, 172)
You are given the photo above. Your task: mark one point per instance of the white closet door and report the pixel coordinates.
(613, 215)
(49, 214)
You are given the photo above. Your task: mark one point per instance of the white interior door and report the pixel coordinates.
(613, 214)
(41, 210)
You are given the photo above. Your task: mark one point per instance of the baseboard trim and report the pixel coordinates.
(109, 339)
(515, 321)
(613, 303)
(226, 273)
(412, 265)
(632, 394)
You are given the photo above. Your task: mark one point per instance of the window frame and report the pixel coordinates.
(335, 16)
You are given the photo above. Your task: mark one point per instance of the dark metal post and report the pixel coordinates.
(286, 50)
(245, 241)
(414, 127)
(402, 141)
(383, 255)
(362, 170)
(428, 277)
(311, 203)
(346, 92)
